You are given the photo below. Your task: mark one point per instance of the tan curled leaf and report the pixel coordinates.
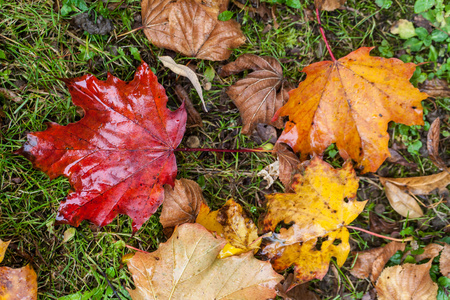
(328, 5)
(422, 185)
(259, 95)
(370, 263)
(190, 28)
(430, 251)
(288, 165)
(402, 202)
(444, 262)
(433, 144)
(184, 71)
(232, 223)
(187, 267)
(181, 204)
(437, 88)
(408, 281)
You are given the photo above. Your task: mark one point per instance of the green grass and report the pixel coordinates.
(40, 46)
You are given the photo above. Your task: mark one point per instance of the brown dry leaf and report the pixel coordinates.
(259, 95)
(193, 118)
(329, 5)
(422, 185)
(408, 281)
(190, 28)
(187, 267)
(396, 158)
(298, 292)
(370, 263)
(323, 203)
(232, 223)
(378, 224)
(402, 202)
(16, 283)
(437, 88)
(288, 165)
(430, 251)
(182, 203)
(433, 144)
(444, 262)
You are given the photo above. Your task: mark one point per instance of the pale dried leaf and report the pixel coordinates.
(370, 263)
(401, 201)
(430, 251)
(184, 71)
(422, 185)
(433, 144)
(186, 267)
(3, 247)
(444, 262)
(181, 204)
(408, 281)
(261, 93)
(437, 88)
(289, 165)
(270, 173)
(329, 5)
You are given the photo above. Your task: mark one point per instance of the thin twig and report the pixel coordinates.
(381, 236)
(322, 32)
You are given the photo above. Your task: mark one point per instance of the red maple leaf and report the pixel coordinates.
(119, 156)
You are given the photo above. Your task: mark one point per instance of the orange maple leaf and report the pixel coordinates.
(350, 102)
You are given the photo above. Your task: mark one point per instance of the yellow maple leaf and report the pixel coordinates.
(232, 223)
(322, 205)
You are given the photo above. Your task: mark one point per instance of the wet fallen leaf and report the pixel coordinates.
(328, 5)
(430, 251)
(259, 95)
(181, 203)
(444, 261)
(232, 223)
(350, 102)
(187, 267)
(408, 281)
(288, 165)
(298, 292)
(323, 203)
(184, 71)
(436, 87)
(396, 158)
(422, 185)
(433, 144)
(16, 283)
(118, 156)
(378, 225)
(191, 28)
(370, 263)
(404, 28)
(402, 202)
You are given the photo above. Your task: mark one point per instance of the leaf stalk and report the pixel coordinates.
(322, 32)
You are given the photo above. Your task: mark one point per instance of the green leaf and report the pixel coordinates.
(2, 54)
(293, 3)
(209, 74)
(444, 281)
(414, 148)
(423, 5)
(433, 54)
(225, 16)
(438, 36)
(384, 3)
(135, 52)
(422, 33)
(414, 44)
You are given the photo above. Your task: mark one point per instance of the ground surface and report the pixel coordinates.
(41, 41)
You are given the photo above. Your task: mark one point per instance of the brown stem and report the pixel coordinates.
(322, 32)
(221, 150)
(379, 235)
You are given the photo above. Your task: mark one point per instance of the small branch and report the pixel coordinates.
(131, 247)
(131, 31)
(381, 236)
(221, 150)
(323, 35)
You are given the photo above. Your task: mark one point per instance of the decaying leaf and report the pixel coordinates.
(396, 158)
(191, 28)
(370, 263)
(444, 261)
(288, 165)
(181, 204)
(119, 155)
(259, 95)
(378, 224)
(328, 5)
(193, 117)
(430, 251)
(402, 202)
(299, 292)
(232, 223)
(184, 71)
(317, 210)
(421, 185)
(350, 102)
(436, 87)
(17, 283)
(408, 281)
(270, 173)
(433, 144)
(187, 267)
